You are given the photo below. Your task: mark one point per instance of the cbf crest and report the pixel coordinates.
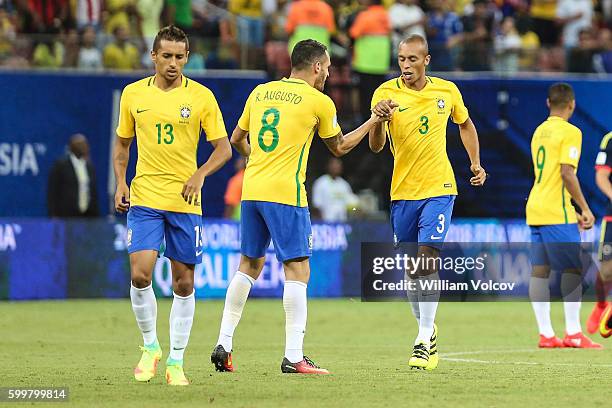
(441, 105)
(185, 112)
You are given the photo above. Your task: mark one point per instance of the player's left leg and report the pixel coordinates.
(184, 249)
(433, 224)
(603, 282)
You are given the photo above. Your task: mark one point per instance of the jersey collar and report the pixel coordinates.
(399, 82)
(294, 81)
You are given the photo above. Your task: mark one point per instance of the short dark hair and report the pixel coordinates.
(560, 95)
(306, 53)
(416, 38)
(170, 33)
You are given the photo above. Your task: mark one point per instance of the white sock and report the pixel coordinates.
(235, 298)
(181, 319)
(571, 289)
(296, 311)
(428, 304)
(413, 298)
(539, 293)
(144, 306)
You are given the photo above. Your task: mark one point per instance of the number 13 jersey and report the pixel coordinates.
(282, 118)
(555, 142)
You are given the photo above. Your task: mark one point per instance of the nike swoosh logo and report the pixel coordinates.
(291, 367)
(142, 110)
(433, 237)
(198, 253)
(402, 109)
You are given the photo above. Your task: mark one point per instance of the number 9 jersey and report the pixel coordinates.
(282, 118)
(555, 142)
(167, 126)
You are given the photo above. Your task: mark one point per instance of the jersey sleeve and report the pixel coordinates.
(212, 120)
(459, 111)
(125, 127)
(379, 95)
(328, 118)
(570, 147)
(244, 120)
(604, 157)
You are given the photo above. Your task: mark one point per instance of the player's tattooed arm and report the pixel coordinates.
(240, 142)
(469, 137)
(377, 135)
(571, 183)
(121, 156)
(341, 144)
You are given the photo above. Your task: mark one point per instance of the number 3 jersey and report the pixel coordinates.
(282, 118)
(555, 142)
(417, 137)
(167, 127)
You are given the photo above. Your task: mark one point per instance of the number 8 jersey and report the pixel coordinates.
(282, 118)
(167, 126)
(555, 142)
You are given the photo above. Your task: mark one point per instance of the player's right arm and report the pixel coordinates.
(570, 155)
(377, 135)
(121, 152)
(239, 139)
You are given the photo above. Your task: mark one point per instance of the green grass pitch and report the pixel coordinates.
(488, 357)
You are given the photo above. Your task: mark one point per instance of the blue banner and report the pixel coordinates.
(52, 259)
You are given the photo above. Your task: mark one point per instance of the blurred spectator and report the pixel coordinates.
(50, 15)
(530, 44)
(444, 33)
(544, 16)
(90, 56)
(149, 12)
(88, 13)
(28, 22)
(71, 48)
(195, 62)
(512, 7)
(233, 192)
(407, 18)
(249, 20)
(119, 13)
(48, 53)
(7, 35)
(580, 58)
(462, 7)
(310, 19)
(71, 188)
(603, 61)
(573, 16)
(507, 47)
(332, 196)
(221, 58)
(372, 51)
(180, 14)
(606, 9)
(478, 38)
(120, 54)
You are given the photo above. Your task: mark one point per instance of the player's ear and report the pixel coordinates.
(548, 103)
(427, 59)
(317, 67)
(153, 56)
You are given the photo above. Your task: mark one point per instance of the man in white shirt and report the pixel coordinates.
(332, 195)
(407, 18)
(574, 15)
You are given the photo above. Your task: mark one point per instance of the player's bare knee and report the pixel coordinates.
(183, 285)
(251, 266)
(140, 279)
(540, 271)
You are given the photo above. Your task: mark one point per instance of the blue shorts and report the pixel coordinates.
(557, 246)
(147, 228)
(288, 226)
(424, 221)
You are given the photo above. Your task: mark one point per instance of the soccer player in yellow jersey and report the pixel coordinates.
(166, 113)
(281, 118)
(555, 237)
(423, 187)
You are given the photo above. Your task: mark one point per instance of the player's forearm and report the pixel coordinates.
(352, 139)
(376, 137)
(469, 138)
(121, 156)
(243, 147)
(573, 187)
(219, 156)
(603, 182)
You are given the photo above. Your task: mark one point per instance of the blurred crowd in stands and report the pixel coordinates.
(464, 35)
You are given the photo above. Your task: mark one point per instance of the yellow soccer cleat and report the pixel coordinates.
(434, 356)
(147, 366)
(420, 356)
(175, 375)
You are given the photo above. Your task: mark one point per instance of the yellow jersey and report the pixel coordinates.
(167, 127)
(417, 137)
(555, 142)
(282, 118)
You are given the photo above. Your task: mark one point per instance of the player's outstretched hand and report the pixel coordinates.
(122, 198)
(385, 108)
(193, 187)
(480, 175)
(586, 219)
